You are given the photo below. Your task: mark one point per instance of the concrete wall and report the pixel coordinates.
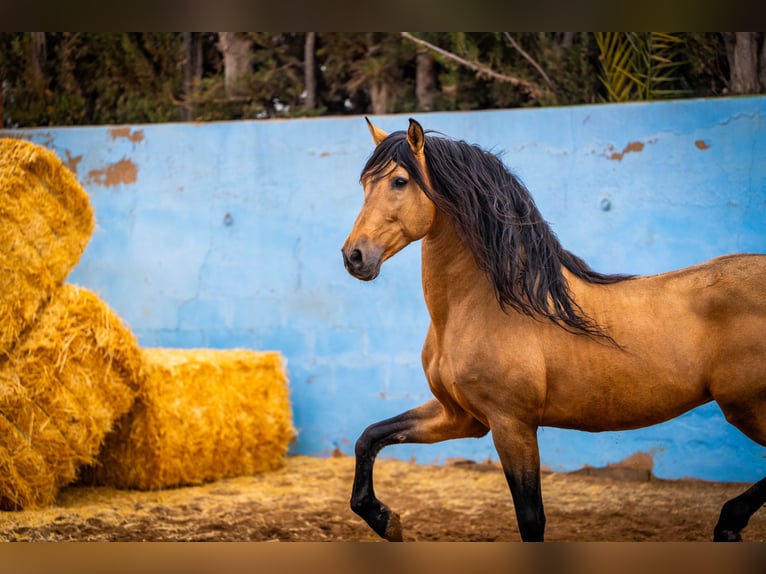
(228, 235)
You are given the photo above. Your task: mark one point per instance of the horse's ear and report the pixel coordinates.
(378, 135)
(416, 138)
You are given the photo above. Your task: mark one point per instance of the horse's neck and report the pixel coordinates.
(451, 275)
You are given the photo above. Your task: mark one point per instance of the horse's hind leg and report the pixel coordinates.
(750, 418)
(737, 512)
(428, 423)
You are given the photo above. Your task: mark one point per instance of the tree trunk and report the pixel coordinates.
(37, 55)
(425, 81)
(742, 52)
(378, 86)
(762, 64)
(379, 97)
(309, 70)
(566, 40)
(192, 72)
(235, 47)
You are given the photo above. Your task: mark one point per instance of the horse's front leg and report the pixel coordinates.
(428, 423)
(516, 445)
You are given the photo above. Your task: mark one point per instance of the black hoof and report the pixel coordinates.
(393, 531)
(382, 520)
(727, 536)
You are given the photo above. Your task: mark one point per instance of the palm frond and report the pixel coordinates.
(640, 65)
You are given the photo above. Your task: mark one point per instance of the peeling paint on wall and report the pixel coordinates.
(125, 132)
(72, 162)
(632, 147)
(124, 171)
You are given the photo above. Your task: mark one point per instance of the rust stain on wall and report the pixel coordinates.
(701, 144)
(135, 137)
(124, 171)
(72, 162)
(632, 147)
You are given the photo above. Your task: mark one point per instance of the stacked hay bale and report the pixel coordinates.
(78, 396)
(46, 221)
(200, 416)
(68, 366)
(76, 370)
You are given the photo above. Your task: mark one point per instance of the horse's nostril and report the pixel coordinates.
(355, 257)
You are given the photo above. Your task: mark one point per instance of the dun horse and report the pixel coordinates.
(524, 334)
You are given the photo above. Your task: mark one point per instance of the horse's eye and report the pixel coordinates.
(399, 183)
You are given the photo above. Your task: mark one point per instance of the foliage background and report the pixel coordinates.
(79, 78)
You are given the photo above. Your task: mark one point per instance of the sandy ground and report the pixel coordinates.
(307, 500)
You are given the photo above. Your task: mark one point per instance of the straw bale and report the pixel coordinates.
(202, 415)
(76, 370)
(24, 476)
(46, 221)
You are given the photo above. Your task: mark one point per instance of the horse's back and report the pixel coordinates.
(729, 289)
(684, 337)
(725, 299)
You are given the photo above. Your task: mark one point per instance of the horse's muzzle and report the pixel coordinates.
(362, 260)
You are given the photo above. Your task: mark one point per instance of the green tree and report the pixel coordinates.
(91, 78)
(366, 73)
(75, 78)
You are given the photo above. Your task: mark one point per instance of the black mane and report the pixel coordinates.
(500, 223)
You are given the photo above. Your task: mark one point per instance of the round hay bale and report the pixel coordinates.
(46, 221)
(75, 371)
(201, 415)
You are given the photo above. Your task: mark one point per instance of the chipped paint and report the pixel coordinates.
(124, 132)
(44, 139)
(632, 147)
(72, 162)
(701, 144)
(124, 171)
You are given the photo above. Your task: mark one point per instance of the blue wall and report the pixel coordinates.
(228, 235)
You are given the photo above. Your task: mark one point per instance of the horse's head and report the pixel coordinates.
(396, 211)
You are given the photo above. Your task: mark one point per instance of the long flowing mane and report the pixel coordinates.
(501, 225)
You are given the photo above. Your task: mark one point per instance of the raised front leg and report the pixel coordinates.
(516, 444)
(428, 423)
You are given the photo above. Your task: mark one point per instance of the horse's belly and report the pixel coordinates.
(616, 405)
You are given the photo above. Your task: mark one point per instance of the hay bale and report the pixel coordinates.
(202, 415)
(29, 478)
(46, 221)
(74, 372)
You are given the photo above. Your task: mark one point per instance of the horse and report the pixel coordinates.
(525, 334)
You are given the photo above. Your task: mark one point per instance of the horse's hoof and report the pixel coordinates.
(727, 536)
(393, 531)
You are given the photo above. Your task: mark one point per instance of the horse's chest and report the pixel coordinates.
(452, 365)
(465, 369)
(482, 370)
